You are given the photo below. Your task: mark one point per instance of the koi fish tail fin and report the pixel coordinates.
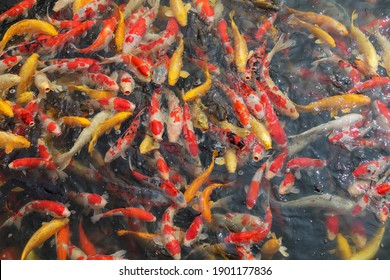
(353, 16)
(281, 45)
(10, 222)
(62, 174)
(63, 160)
(119, 254)
(96, 218)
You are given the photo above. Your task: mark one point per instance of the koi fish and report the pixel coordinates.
(62, 242)
(253, 190)
(273, 246)
(169, 240)
(240, 47)
(26, 73)
(17, 10)
(89, 9)
(27, 26)
(43, 234)
(6, 109)
(175, 121)
(224, 37)
(90, 201)
(200, 90)
(371, 169)
(205, 11)
(130, 212)
(179, 11)
(204, 200)
(9, 62)
(190, 140)
(194, 231)
(85, 244)
(370, 250)
(9, 142)
(287, 185)
(74, 121)
(176, 64)
(296, 164)
(156, 121)
(343, 248)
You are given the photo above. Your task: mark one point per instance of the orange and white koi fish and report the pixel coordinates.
(371, 169)
(116, 104)
(126, 82)
(138, 30)
(90, 201)
(175, 120)
(253, 190)
(327, 23)
(101, 80)
(43, 234)
(156, 121)
(296, 164)
(223, 35)
(85, 244)
(282, 103)
(276, 165)
(287, 184)
(89, 9)
(194, 231)
(9, 62)
(205, 10)
(161, 164)
(265, 27)
(190, 140)
(48, 207)
(27, 26)
(369, 59)
(169, 239)
(131, 212)
(17, 10)
(382, 114)
(370, 84)
(75, 253)
(9, 142)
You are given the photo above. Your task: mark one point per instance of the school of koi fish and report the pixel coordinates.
(203, 129)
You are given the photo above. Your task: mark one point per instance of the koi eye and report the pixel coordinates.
(117, 132)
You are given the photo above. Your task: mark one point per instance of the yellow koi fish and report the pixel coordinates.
(25, 97)
(369, 59)
(321, 35)
(344, 102)
(371, 248)
(26, 74)
(92, 93)
(343, 249)
(175, 65)
(199, 117)
(193, 188)
(179, 11)
(385, 46)
(273, 246)
(74, 121)
(199, 91)
(325, 22)
(5, 108)
(106, 126)
(261, 132)
(27, 26)
(7, 81)
(240, 47)
(148, 144)
(231, 160)
(43, 234)
(9, 142)
(120, 31)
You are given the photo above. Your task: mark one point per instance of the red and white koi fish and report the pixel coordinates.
(271, 119)
(359, 187)
(104, 38)
(296, 164)
(31, 163)
(124, 142)
(380, 190)
(75, 253)
(253, 190)
(257, 58)
(382, 114)
(227, 136)
(130, 212)
(370, 84)
(48, 207)
(276, 165)
(132, 19)
(42, 150)
(138, 30)
(361, 204)
(70, 65)
(281, 102)
(62, 242)
(85, 244)
(156, 119)
(194, 231)
(116, 104)
(175, 119)
(332, 225)
(161, 164)
(119, 255)
(190, 140)
(91, 10)
(23, 115)
(382, 211)
(17, 10)
(265, 27)
(134, 64)
(349, 70)
(9, 62)
(254, 235)
(350, 134)
(238, 103)
(161, 44)
(126, 82)
(227, 46)
(205, 10)
(169, 239)
(252, 146)
(49, 124)
(100, 80)
(287, 185)
(90, 201)
(371, 169)
(244, 253)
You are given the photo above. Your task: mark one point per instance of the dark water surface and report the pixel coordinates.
(303, 229)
